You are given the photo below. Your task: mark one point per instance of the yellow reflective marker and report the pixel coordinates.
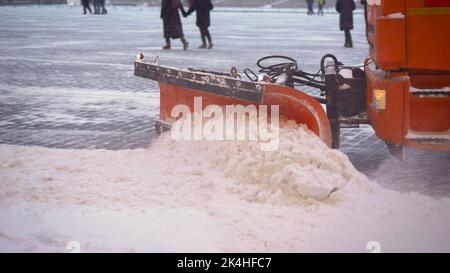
(379, 99)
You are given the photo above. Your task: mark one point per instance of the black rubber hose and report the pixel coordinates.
(278, 65)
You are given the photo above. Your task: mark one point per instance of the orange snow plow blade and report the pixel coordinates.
(180, 87)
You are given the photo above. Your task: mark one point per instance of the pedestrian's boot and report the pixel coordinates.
(210, 43)
(166, 46)
(348, 45)
(185, 44)
(203, 46)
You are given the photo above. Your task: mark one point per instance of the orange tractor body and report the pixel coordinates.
(409, 43)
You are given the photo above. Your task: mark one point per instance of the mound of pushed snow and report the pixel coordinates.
(302, 166)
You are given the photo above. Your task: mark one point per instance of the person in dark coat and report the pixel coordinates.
(172, 22)
(310, 4)
(86, 6)
(345, 9)
(97, 6)
(102, 4)
(203, 9)
(364, 4)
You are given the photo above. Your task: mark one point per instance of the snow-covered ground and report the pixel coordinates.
(208, 196)
(67, 93)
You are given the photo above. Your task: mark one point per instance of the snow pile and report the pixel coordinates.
(208, 196)
(302, 167)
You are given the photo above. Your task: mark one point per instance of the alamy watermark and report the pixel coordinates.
(374, 247)
(227, 123)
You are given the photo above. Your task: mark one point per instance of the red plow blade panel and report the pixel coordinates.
(172, 95)
(302, 108)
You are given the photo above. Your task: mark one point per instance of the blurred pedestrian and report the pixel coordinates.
(345, 9)
(321, 3)
(102, 4)
(97, 6)
(203, 9)
(172, 22)
(310, 4)
(86, 6)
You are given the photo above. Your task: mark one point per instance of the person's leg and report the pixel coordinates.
(167, 45)
(350, 41)
(365, 20)
(208, 36)
(348, 38)
(203, 37)
(104, 11)
(311, 7)
(185, 43)
(88, 7)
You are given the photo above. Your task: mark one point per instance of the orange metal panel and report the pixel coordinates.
(388, 124)
(437, 3)
(390, 47)
(172, 95)
(428, 41)
(300, 107)
(414, 3)
(392, 6)
(429, 114)
(430, 81)
(419, 41)
(387, 34)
